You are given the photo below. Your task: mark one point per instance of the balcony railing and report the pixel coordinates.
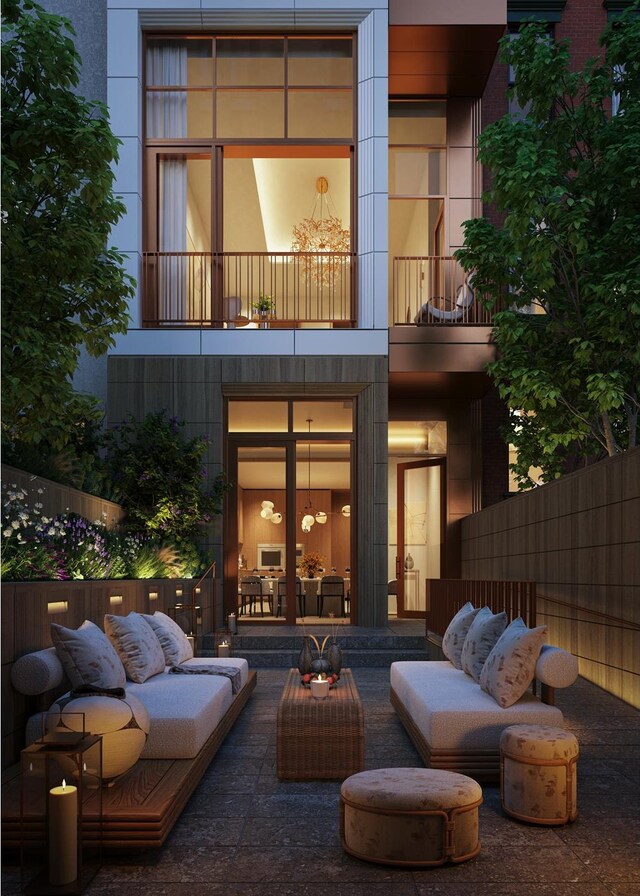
(205, 289)
(432, 289)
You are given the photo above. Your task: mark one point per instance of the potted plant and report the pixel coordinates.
(263, 306)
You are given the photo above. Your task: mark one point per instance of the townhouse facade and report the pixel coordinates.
(296, 174)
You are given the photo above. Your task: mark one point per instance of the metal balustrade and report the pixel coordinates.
(432, 290)
(207, 289)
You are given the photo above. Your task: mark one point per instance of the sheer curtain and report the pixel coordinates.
(167, 117)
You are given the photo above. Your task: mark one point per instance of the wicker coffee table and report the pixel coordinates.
(320, 738)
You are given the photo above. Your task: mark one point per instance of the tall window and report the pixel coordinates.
(239, 132)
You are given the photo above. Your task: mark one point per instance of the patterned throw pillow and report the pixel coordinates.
(87, 656)
(137, 645)
(456, 632)
(511, 665)
(175, 644)
(481, 638)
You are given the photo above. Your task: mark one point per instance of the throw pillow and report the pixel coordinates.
(175, 644)
(137, 645)
(511, 665)
(481, 638)
(87, 656)
(453, 640)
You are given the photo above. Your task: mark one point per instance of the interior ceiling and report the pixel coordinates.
(328, 475)
(325, 416)
(441, 60)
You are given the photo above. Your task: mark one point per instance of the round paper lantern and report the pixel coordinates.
(122, 722)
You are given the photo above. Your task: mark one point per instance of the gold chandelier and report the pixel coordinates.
(322, 237)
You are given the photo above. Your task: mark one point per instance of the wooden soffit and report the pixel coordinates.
(441, 60)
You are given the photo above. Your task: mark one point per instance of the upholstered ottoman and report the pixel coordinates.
(410, 816)
(538, 771)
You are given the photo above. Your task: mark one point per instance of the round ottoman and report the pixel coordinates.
(538, 771)
(122, 722)
(410, 816)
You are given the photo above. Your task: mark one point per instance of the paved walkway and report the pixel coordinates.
(244, 833)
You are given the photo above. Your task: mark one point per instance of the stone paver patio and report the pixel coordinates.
(245, 833)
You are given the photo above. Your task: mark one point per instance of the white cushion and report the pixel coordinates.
(38, 672)
(556, 667)
(511, 665)
(481, 638)
(87, 656)
(454, 637)
(453, 712)
(175, 644)
(137, 645)
(185, 709)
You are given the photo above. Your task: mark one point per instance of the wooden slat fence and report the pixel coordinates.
(446, 596)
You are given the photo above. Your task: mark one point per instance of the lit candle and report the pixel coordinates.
(63, 834)
(319, 688)
(223, 648)
(233, 628)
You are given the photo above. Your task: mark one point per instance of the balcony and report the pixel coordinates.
(431, 290)
(205, 289)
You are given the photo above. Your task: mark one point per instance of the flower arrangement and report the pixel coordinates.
(311, 563)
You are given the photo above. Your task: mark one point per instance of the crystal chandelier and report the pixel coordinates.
(322, 236)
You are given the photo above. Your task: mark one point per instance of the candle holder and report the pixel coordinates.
(60, 826)
(223, 642)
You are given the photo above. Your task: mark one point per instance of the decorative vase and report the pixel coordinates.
(334, 655)
(408, 563)
(305, 658)
(321, 665)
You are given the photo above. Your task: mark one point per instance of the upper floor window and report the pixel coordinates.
(237, 88)
(249, 161)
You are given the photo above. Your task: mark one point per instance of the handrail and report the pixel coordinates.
(212, 566)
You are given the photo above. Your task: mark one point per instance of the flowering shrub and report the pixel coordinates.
(26, 555)
(68, 546)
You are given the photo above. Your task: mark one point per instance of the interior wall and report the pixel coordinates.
(461, 448)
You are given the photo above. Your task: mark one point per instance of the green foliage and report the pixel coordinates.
(63, 288)
(158, 477)
(567, 182)
(26, 552)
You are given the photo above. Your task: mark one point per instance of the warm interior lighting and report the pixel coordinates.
(57, 606)
(153, 595)
(346, 510)
(268, 513)
(323, 233)
(310, 514)
(115, 600)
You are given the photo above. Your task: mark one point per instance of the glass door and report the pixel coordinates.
(421, 514)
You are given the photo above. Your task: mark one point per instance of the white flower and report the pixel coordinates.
(51, 531)
(24, 515)
(15, 524)
(7, 532)
(40, 491)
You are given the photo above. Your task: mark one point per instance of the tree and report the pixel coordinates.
(567, 182)
(158, 477)
(63, 288)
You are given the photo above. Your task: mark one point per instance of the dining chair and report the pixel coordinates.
(330, 586)
(282, 593)
(250, 591)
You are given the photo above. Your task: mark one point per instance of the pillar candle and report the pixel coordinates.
(319, 688)
(233, 628)
(223, 649)
(63, 834)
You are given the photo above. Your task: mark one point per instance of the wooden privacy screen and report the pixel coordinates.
(446, 596)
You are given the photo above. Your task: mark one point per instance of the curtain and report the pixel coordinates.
(167, 117)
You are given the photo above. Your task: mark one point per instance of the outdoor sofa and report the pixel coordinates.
(455, 717)
(189, 716)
